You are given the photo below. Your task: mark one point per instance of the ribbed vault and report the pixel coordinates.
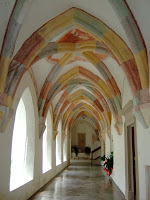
(76, 37)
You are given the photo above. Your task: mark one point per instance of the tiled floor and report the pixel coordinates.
(80, 182)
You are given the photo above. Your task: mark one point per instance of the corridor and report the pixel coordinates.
(80, 181)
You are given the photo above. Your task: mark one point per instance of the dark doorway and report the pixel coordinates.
(133, 160)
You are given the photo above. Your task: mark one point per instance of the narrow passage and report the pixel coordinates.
(80, 181)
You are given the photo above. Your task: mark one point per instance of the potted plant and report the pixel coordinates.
(87, 151)
(108, 164)
(103, 158)
(76, 150)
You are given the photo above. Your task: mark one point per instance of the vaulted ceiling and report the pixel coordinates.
(78, 53)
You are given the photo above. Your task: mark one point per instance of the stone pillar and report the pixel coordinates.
(42, 126)
(6, 111)
(55, 134)
(63, 135)
(68, 147)
(102, 148)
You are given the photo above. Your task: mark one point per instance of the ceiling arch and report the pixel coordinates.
(77, 84)
(51, 90)
(83, 95)
(80, 19)
(99, 38)
(73, 103)
(98, 100)
(81, 110)
(98, 64)
(59, 84)
(84, 113)
(82, 106)
(90, 124)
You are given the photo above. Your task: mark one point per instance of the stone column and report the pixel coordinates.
(55, 134)
(68, 147)
(42, 126)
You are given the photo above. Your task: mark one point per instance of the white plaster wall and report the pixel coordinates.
(118, 174)
(84, 128)
(143, 145)
(126, 92)
(107, 145)
(39, 179)
(6, 7)
(116, 71)
(140, 10)
(143, 148)
(44, 67)
(97, 153)
(42, 11)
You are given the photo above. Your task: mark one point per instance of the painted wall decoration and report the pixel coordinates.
(84, 38)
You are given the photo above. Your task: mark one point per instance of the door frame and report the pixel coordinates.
(130, 121)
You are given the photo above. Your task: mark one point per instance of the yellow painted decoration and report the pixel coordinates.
(9, 101)
(1, 117)
(4, 63)
(35, 53)
(91, 57)
(87, 30)
(87, 46)
(57, 24)
(142, 65)
(66, 47)
(69, 75)
(104, 88)
(117, 46)
(65, 59)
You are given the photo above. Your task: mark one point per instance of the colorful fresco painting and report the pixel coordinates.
(85, 38)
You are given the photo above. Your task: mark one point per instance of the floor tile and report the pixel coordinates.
(80, 182)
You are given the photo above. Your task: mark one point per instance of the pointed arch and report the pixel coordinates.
(80, 112)
(83, 95)
(75, 72)
(102, 33)
(81, 106)
(104, 108)
(134, 64)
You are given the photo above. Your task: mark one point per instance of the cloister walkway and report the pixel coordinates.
(80, 181)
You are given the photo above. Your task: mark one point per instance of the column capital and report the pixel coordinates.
(6, 111)
(42, 126)
(55, 134)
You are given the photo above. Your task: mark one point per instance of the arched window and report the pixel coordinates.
(47, 144)
(22, 153)
(65, 148)
(58, 145)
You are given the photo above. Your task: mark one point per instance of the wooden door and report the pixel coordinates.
(82, 141)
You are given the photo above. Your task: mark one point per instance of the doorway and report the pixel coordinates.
(131, 153)
(131, 167)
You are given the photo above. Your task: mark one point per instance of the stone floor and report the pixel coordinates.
(80, 182)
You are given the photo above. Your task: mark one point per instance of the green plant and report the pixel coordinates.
(108, 164)
(76, 150)
(87, 150)
(103, 158)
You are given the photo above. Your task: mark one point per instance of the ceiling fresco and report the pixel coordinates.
(72, 38)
